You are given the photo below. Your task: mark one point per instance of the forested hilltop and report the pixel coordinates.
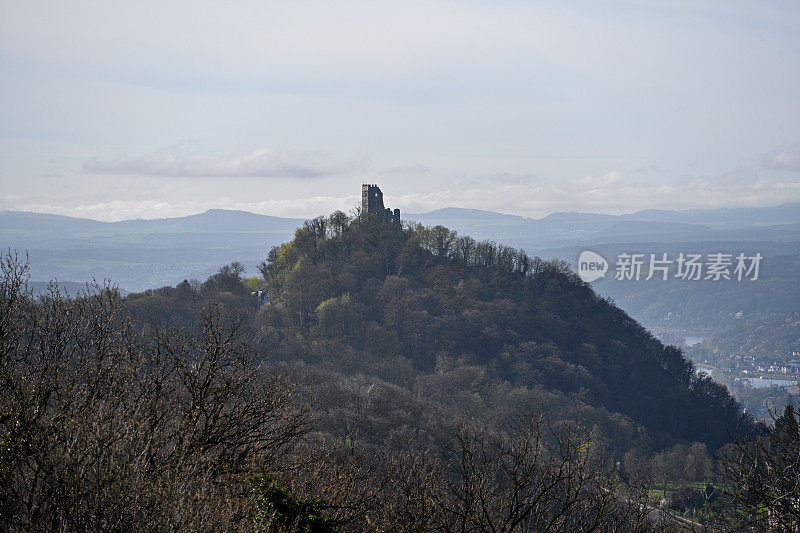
(479, 328)
(374, 378)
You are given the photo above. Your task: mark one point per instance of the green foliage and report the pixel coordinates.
(252, 283)
(277, 509)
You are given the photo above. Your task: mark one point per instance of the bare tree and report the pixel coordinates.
(528, 477)
(105, 428)
(762, 474)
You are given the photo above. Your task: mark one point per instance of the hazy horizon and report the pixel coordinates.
(446, 207)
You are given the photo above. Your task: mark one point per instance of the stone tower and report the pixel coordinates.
(372, 204)
(371, 199)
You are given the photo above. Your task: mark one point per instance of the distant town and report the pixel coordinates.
(761, 383)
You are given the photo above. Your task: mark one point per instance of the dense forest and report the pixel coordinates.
(391, 378)
(478, 327)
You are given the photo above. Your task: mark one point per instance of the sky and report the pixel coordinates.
(115, 110)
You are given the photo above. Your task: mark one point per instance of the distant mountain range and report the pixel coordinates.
(140, 254)
(771, 224)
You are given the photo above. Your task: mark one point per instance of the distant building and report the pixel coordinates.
(260, 297)
(372, 204)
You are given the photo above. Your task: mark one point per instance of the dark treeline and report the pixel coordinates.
(397, 379)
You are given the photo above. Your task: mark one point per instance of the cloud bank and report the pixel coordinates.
(612, 192)
(181, 161)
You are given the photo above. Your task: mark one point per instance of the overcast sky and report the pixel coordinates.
(114, 110)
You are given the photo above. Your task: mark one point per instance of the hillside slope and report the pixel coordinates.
(479, 326)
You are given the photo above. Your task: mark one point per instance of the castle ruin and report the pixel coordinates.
(372, 204)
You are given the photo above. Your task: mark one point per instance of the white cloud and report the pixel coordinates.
(183, 160)
(600, 182)
(408, 169)
(783, 159)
